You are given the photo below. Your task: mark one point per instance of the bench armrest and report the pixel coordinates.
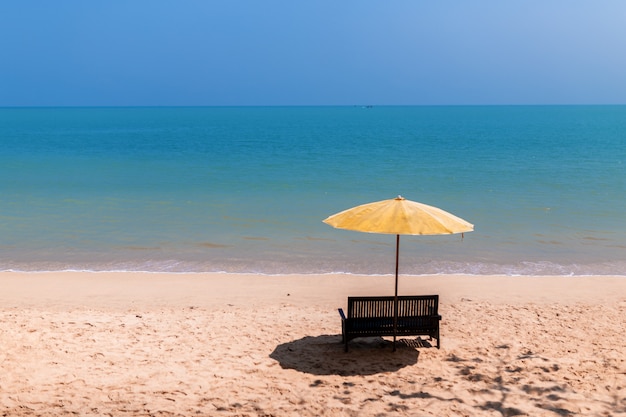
(343, 316)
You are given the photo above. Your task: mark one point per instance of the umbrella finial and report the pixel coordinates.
(399, 197)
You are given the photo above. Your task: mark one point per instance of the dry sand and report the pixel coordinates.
(134, 344)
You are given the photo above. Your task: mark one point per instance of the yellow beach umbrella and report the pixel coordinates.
(399, 216)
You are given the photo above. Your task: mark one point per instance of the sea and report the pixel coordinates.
(245, 189)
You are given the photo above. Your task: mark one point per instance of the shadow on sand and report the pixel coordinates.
(324, 355)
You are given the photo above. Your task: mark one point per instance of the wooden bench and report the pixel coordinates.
(374, 316)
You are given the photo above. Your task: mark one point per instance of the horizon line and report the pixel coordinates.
(300, 105)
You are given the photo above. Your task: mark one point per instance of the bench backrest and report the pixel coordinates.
(408, 306)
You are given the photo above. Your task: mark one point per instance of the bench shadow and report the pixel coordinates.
(325, 355)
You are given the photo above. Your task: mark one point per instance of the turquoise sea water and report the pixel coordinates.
(245, 189)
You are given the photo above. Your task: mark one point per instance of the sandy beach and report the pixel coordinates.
(138, 344)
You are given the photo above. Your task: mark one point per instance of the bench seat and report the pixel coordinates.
(374, 316)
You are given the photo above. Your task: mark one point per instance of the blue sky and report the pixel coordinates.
(322, 52)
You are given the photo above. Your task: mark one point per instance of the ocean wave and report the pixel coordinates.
(523, 268)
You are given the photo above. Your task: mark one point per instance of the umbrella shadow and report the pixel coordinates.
(325, 355)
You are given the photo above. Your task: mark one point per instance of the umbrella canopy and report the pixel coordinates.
(399, 216)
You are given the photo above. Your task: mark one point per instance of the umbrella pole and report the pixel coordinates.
(395, 298)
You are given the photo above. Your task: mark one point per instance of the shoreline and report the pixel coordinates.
(288, 274)
(321, 266)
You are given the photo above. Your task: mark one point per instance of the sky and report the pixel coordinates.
(322, 52)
